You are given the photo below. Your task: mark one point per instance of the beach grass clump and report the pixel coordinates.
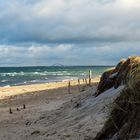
(120, 113)
(133, 75)
(124, 119)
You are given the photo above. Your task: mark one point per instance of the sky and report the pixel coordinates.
(70, 32)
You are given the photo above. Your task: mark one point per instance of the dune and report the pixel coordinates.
(123, 121)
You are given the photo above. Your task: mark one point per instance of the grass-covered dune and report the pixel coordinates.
(124, 120)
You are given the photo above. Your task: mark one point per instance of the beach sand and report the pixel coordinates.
(17, 90)
(51, 113)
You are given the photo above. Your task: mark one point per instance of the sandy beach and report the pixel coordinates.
(51, 113)
(38, 99)
(9, 91)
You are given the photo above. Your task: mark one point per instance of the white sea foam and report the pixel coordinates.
(33, 81)
(4, 81)
(7, 86)
(21, 73)
(65, 80)
(42, 73)
(36, 72)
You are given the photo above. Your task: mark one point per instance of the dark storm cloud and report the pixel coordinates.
(65, 21)
(84, 32)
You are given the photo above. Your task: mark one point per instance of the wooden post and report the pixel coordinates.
(86, 81)
(24, 107)
(69, 92)
(78, 84)
(10, 110)
(90, 78)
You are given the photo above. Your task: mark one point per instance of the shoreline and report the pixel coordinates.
(9, 91)
(33, 82)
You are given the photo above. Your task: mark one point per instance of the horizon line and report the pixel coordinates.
(59, 66)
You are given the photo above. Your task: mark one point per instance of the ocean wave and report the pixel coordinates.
(43, 73)
(36, 72)
(33, 81)
(11, 74)
(57, 73)
(74, 78)
(3, 81)
(22, 73)
(65, 80)
(7, 86)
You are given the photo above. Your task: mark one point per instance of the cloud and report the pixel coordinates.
(66, 54)
(33, 54)
(71, 32)
(65, 21)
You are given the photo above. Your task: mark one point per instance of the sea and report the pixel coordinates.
(13, 76)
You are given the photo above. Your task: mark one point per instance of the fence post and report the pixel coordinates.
(10, 110)
(86, 81)
(24, 107)
(78, 84)
(89, 77)
(69, 92)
